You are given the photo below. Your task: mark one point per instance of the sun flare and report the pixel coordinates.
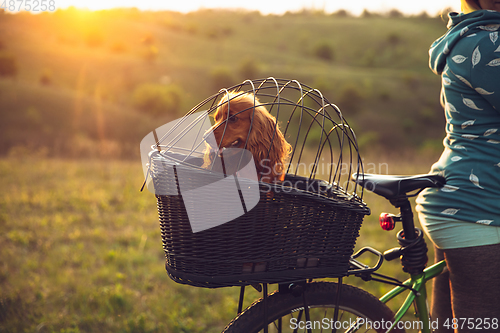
(266, 6)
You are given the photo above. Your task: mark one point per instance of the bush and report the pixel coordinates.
(8, 65)
(341, 13)
(394, 38)
(46, 77)
(394, 13)
(350, 98)
(366, 14)
(157, 99)
(324, 51)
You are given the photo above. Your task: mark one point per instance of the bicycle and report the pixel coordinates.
(366, 311)
(300, 230)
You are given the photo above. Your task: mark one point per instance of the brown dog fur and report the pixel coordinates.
(261, 136)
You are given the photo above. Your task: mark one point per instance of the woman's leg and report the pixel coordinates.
(474, 274)
(472, 284)
(441, 297)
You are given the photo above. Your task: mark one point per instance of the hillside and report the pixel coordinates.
(94, 83)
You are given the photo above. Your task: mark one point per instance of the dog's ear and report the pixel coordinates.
(259, 140)
(279, 152)
(268, 145)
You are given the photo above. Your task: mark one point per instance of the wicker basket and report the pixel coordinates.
(301, 228)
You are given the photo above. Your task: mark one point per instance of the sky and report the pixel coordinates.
(432, 7)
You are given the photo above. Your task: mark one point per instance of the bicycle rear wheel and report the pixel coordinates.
(359, 311)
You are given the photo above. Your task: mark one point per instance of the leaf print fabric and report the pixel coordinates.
(464, 80)
(483, 92)
(475, 180)
(470, 103)
(449, 188)
(487, 222)
(459, 59)
(450, 107)
(450, 211)
(490, 27)
(476, 57)
(494, 62)
(494, 37)
(468, 58)
(490, 131)
(468, 123)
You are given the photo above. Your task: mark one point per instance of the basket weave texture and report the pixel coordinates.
(292, 234)
(300, 228)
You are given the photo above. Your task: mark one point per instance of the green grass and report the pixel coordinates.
(81, 252)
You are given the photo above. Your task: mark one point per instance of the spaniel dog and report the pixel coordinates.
(242, 122)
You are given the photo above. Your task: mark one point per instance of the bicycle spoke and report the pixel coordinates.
(298, 319)
(355, 312)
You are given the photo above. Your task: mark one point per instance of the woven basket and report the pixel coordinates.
(301, 228)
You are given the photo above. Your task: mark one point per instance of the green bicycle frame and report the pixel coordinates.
(419, 295)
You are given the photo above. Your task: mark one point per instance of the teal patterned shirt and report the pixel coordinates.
(468, 59)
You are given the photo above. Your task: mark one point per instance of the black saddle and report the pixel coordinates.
(393, 187)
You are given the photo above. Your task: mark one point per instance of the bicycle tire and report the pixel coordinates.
(353, 303)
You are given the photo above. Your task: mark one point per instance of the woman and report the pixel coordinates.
(463, 218)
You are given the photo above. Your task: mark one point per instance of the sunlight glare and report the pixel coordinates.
(272, 6)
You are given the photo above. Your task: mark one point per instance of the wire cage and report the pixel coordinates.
(225, 222)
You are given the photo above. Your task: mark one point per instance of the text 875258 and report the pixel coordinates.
(34, 6)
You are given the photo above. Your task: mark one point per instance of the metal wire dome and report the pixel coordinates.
(303, 226)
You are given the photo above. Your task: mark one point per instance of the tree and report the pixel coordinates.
(324, 51)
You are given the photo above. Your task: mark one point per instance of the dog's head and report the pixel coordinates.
(241, 121)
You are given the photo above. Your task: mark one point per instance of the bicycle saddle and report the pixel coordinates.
(392, 187)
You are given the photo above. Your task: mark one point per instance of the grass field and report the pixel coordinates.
(80, 247)
(81, 252)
